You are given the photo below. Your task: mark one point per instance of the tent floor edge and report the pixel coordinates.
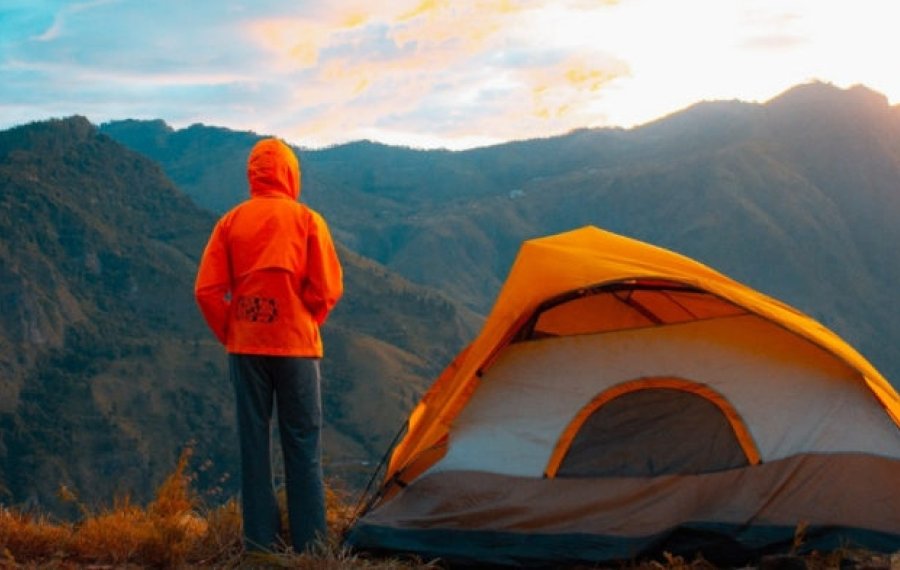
(720, 544)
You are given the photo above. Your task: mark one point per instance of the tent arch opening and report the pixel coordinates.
(653, 426)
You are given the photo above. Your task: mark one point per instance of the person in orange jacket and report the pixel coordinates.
(268, 279)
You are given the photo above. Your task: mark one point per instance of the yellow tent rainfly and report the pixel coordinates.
(623, 400)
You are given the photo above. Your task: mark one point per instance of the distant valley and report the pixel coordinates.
(106, 369)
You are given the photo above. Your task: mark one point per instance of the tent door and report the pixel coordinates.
(653, 427)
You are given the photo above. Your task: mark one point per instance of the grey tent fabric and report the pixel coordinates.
(653, 432)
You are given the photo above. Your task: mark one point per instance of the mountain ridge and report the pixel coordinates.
(796, 197)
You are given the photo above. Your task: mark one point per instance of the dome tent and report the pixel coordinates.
(622, 400)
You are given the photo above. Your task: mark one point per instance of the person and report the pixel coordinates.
(268, 278)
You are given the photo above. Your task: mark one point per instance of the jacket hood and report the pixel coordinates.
(273, 170)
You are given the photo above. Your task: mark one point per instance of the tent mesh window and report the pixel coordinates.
(625, 305)
(653, 432)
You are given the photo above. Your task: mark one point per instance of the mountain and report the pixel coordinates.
(93, 260)
(106, 367)
(797, 197)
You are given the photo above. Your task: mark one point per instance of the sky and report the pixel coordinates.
(427, 73)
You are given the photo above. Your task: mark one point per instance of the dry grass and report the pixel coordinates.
(174, 531)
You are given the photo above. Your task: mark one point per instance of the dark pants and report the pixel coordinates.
(294, 384)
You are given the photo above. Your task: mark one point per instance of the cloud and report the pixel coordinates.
(430, 72)
(428, 65)
(775, 42)
(327, 72)
(56, 28)
(773, 28)
(116, 57)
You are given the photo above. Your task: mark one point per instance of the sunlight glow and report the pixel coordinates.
(436, 70)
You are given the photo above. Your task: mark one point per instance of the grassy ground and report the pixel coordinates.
(175, 531)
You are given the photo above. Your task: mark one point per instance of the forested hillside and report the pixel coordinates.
(106, 367)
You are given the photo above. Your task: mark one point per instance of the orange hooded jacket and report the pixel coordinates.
(270, 275)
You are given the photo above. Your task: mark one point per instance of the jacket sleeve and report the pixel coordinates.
(213, 284)
(324, 283)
